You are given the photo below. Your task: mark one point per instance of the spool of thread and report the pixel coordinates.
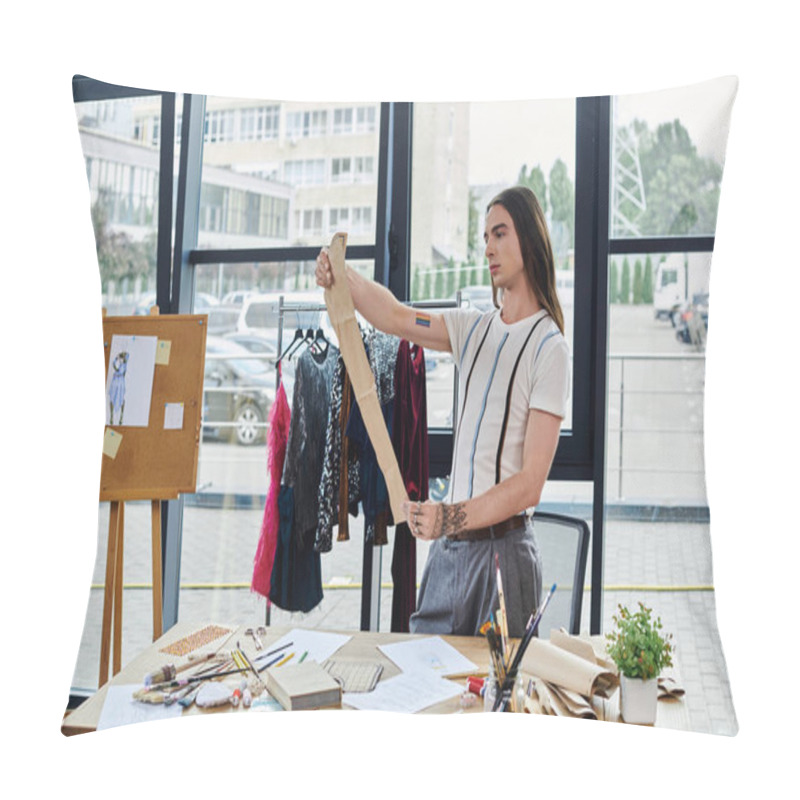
(475, 685)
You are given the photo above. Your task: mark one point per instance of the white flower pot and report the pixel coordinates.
(638, 700)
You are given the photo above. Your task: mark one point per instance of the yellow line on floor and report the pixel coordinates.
(333, 586)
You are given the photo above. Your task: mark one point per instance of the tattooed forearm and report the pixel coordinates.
(452, 519)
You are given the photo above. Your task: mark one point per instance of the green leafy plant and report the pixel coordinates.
(637, 645)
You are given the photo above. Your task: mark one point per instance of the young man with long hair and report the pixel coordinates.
(513, 365)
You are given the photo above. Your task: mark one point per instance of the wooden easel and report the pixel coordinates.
(152, 463)
(112, 601)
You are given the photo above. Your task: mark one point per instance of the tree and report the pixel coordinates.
(625, 282)
(473, 229)
(427, 292)
(478, 275)
(638, 281)
(119, 256)
(647, 287)
(438, 286)
(613, 282)
(562, 205)
(463, 277)
(450, 278)
(535, 181)
(681, 187)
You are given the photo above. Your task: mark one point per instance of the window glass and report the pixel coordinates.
(658, 325)
(279, 174)
(245, 338)
(120, 141)
(667, 157)
(463, 155)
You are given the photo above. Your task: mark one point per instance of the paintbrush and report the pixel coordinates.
(504, 696)
(195, 679)
(169, 671)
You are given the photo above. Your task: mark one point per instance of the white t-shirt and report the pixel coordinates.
(504, 371)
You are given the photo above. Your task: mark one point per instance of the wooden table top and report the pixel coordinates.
(363, 645)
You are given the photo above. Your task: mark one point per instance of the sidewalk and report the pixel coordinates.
(666, 565)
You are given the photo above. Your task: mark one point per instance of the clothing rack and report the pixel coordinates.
(371, 565)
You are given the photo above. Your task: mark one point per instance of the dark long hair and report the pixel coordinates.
(534, 242)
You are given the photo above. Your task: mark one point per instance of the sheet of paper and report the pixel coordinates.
(111, 442)
(318, 645)
(129, 383)
(432, 654)
(162, 352)
(173, 416)
(409, 693)
(121, 709)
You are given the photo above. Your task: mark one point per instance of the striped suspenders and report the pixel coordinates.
(508, 402)
(507, 410)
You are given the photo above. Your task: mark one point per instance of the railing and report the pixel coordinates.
(655, 426)
(655, 401)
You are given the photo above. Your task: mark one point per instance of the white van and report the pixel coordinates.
(260, 312)
(260, 315)
(669, 286)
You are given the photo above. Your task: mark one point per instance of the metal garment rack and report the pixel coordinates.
(371, 565)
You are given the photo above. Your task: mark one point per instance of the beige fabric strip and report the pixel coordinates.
(341, 312)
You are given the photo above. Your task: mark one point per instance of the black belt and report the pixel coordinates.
(497, 531)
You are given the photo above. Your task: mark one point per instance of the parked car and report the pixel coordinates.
(238, 389)
(221, 319)
(236, 298)
(691, 321)
(261, 342)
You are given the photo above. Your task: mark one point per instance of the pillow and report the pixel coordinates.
(281, 173)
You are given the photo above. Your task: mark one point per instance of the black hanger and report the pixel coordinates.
(294, 344)
(320, 343)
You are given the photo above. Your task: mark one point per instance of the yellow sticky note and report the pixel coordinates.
(162, 351)
(111, 443)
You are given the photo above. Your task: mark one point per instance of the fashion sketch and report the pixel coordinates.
(116, 392)
(129, 382)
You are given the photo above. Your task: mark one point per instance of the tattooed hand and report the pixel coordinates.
(453, 519)
(429, 520)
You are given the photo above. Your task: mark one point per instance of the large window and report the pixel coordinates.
(632, 221)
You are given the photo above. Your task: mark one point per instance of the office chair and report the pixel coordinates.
(563, 547)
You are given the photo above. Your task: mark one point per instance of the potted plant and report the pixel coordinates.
(640, 652)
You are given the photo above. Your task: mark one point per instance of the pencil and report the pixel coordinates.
(272, 652)
(503, 620)
(284, 660)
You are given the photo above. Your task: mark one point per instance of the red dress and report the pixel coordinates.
(279, 419)
(410, 440)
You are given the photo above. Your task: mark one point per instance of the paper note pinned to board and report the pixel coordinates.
(173, 416)
(111, 442)
(162, 351)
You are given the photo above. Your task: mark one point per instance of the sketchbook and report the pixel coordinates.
(302, 686)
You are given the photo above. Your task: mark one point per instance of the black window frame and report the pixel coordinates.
(581, 450)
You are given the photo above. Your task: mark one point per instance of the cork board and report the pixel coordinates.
(155, 458)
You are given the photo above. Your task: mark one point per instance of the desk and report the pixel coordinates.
(362, 645)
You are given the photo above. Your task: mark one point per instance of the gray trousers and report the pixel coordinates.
(458, 591)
